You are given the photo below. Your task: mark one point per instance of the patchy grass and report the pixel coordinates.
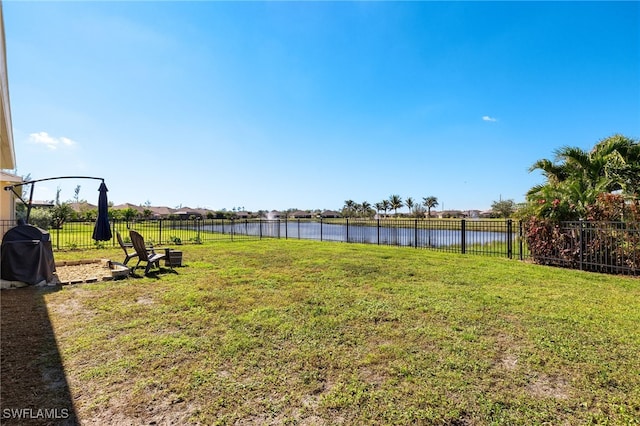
(299, 332)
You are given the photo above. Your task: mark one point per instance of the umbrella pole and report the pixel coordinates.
(30, 201)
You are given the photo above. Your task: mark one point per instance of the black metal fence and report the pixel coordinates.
(609, 247)
(487, 237)
(612, 247)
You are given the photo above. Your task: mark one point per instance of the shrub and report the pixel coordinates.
(41, 218)
(605, 242)
(550, 244)
(60, 214)
(614, 207)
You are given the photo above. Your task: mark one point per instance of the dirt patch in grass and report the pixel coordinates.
(176, 412)
(509, 362)
(544, 386)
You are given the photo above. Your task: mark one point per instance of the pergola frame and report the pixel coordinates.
(12, 188)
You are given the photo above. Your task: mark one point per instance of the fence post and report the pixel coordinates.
(286, 229)
(415, 233)
(320, 229)
(580, 242)
(520, 239)
(509, 238)
(463, 236)
(260, 229)
(347, 229)
(378, 231)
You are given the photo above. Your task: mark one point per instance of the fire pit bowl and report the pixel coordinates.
(119, 270)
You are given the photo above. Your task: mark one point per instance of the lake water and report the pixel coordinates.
(402, 236)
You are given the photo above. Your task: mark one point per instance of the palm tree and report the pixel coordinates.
(429, 202)
(364, 208)
(395, 201)
(349, 206)
(356, 209)
(409, 203)
(578, 176)
(379, 206)
(386, 205)
(624, 168)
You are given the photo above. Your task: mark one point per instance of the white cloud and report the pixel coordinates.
(49, 141)
(66, 141)
(488, 118)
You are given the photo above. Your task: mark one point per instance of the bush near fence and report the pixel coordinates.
(609, 247)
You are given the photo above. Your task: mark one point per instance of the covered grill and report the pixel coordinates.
(27, 255)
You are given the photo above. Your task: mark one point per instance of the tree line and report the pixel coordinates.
(393, 203)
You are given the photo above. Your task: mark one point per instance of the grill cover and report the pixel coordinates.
(27, 255)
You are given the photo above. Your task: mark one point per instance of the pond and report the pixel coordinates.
(416, 236)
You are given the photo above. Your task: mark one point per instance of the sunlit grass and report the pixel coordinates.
(280, 331)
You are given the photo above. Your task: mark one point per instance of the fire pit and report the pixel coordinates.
(88, 271)
(119, 270)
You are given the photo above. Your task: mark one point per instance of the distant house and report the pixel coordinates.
(161, 212)
(474, 214)
(187, 213)
(274, 214)
(486, 214)
(82, 207)
(243, 215)
(126, 206)
(201, 213)
(452, 214)
(300, 214)
(330, 214)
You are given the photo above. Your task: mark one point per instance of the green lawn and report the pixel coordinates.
(300, 332)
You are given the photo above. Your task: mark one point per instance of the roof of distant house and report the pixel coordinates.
(82, 206)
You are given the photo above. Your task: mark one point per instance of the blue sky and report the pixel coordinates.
(276, 105)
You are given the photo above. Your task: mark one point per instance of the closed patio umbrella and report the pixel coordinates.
(102, 229)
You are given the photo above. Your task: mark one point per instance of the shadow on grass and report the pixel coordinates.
(153, 273)
(34, 388)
